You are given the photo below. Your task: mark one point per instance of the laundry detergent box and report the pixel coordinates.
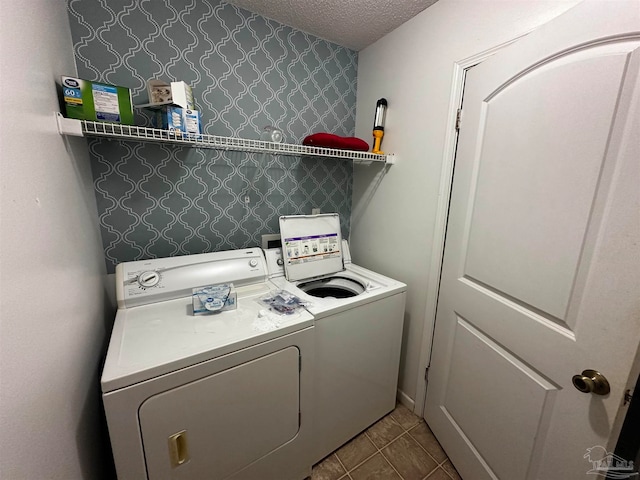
(214, 298)
(101, 102)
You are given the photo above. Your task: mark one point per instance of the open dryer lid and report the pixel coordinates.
(311, 245)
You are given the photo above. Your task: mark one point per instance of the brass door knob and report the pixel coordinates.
(591, 381)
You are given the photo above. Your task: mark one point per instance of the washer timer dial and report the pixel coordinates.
(147, 279)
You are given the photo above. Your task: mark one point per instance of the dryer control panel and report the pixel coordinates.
(275, 263)
(155, 280)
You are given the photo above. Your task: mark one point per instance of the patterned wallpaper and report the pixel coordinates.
(246, 72)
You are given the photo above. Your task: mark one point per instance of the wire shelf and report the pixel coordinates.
(68, 126)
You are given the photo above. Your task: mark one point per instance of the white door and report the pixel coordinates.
(541, 271)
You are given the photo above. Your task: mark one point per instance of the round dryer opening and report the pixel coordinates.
(334, 287)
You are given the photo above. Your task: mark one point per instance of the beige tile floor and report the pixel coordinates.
(398, 447)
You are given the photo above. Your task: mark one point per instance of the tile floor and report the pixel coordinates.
(398, 447)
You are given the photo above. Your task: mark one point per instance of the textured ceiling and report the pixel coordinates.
(351, 23)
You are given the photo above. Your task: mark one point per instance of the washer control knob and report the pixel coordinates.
(150, 278)
(253, 263)
(280, 262)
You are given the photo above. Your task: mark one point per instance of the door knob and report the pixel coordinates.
(591, 381)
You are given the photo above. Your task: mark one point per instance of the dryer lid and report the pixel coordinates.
(311, 245)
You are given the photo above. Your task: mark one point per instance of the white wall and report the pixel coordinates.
(394, 213)
(54, 322)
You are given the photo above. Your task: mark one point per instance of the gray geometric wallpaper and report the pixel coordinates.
(247, 72)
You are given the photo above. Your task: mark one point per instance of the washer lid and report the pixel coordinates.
(311, 245)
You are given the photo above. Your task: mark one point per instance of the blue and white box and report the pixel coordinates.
(178, 120)
(170, 118)
(192, 124)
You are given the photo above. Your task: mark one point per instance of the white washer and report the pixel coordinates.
(357, 338)
(212, 396)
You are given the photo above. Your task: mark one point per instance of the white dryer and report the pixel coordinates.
(212, 396)
(359, 316)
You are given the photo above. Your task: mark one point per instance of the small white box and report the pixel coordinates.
(176, 93)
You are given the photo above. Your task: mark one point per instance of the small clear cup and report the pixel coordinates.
(272, 134)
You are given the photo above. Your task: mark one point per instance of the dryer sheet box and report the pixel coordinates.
(100, 102)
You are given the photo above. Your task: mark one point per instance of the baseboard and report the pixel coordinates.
(405, 400)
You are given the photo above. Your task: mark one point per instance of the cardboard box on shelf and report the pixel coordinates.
(176, 93)
(192, 124)
(170, 118)
(178, 120)
(101, 102)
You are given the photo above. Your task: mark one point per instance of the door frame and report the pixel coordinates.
(458, 77)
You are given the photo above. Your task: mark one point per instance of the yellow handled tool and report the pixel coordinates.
(378, 125)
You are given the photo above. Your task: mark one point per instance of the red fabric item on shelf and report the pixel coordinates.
(329, 140)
